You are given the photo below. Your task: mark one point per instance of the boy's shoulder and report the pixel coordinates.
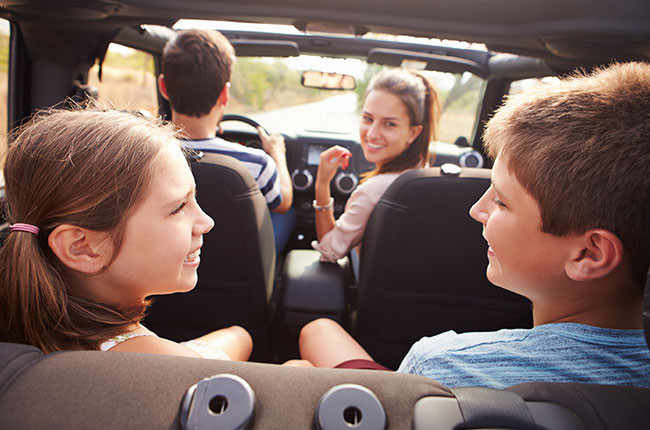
(255, 159)
(222, 146)
(542, 339)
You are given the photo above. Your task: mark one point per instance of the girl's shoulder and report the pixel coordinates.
(153, 345)
(136, 331)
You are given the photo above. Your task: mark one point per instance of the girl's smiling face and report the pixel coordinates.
(162, 238)
(385, 129)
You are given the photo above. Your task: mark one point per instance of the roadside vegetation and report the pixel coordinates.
(128, 81)
(4, 68)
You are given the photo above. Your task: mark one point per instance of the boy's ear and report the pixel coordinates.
(80, 249)
(162, 86)
(598, 253)
(224, 96)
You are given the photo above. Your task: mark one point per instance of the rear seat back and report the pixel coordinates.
(423, 264)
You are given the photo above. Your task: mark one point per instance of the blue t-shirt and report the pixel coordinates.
(560, 352)
(258, 162)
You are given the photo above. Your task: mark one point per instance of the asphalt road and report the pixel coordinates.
(335, 114)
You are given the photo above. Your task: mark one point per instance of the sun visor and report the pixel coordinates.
(425, 61)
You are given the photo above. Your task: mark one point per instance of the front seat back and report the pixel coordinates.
(423, 262)
(237, 260)
(119, 390)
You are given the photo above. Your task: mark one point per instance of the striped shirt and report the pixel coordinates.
(258, 162)
(560, 352)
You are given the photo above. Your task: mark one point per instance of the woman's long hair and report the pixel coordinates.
(423, 106)
(85, 167)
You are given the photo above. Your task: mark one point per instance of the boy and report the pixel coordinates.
(566, 221)
(196, 69)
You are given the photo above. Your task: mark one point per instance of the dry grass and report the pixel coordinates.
(455, 123)
(3, 116)
(126, 88)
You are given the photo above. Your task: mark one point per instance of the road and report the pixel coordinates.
(337, 114)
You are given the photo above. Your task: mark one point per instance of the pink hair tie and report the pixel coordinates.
(24, 227)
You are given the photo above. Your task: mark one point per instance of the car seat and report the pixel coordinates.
(237, 260)
(119, 390)
(423, 262)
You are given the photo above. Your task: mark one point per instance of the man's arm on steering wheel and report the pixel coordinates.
(274, 146)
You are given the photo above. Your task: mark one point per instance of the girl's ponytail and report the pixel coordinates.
(32, 295)
(431, 115)
(88, 168)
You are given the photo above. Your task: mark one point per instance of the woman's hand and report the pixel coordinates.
(330, 160)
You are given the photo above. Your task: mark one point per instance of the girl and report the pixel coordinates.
(102, 214)
(400, 113)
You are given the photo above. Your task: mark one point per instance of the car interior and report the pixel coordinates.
(422, 271)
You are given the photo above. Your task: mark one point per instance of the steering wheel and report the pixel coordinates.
(246, 120)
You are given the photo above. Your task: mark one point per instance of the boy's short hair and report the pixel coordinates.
(196, 64)
(581, 148)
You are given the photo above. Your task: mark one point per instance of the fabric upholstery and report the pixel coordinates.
(117, 390)
(423, 265)
(237, 260)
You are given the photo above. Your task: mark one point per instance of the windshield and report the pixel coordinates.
(269, 91)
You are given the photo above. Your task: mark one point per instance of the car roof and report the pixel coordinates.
(563, 33)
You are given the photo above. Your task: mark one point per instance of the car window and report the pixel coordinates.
(269, 90)
(522, 85)
(128, 79)
(4, 70)
(460, 97)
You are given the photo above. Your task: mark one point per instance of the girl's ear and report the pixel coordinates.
(598, 253)
(80, 249)
(414, 132)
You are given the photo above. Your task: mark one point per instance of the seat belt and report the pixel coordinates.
(492, 408)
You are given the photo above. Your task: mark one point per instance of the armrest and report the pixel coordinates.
(311, 288)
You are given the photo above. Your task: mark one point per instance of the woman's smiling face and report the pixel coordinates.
(385, 128)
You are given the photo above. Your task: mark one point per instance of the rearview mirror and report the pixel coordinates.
(328, 81)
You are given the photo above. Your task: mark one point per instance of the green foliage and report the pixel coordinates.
(265, 84)
(362, 82)
(135, 60)
(4, 53)
(463, 94)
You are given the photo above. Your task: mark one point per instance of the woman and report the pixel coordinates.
(400, 112)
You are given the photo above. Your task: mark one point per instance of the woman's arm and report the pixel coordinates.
(330, 160)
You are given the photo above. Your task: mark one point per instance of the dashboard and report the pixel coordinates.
(303, 156)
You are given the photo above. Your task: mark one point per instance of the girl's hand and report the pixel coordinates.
(330, 160)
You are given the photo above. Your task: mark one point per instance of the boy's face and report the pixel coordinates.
(522, 258)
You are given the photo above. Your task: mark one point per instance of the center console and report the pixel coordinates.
(304, 167)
